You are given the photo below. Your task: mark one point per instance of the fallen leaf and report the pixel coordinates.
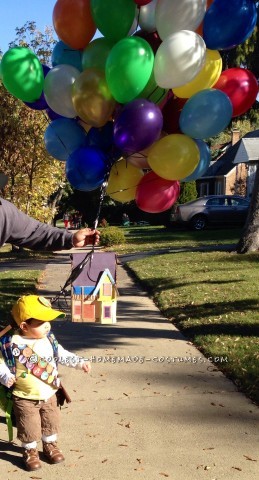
(72, 450)
(122, 445)
(139, 460)
(127, 425)
(207, 467)
(164, 474)
(237, 468)
(249, 458)
(81, 456)
(209, 448)
(36, 478)
(126, 395)
(105, 460)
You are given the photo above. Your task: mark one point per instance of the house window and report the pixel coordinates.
(107, 290)
(218, 188)
(107, 312)
(204, 189)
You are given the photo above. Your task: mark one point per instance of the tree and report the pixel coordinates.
(247, 55)
(188, 192)
(249, 241)
(36, 180)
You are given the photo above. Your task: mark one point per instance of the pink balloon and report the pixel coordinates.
(155, 194)
(138, 160)
(241, 87)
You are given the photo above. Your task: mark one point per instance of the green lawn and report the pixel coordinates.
(159, 237)
(212, 297)
(13, 284)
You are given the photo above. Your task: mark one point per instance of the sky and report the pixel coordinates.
(15, 13)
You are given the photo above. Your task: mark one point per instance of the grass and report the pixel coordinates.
(13, 284)
(153, 237)
(212, 297)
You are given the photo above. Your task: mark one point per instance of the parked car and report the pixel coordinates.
(212, 209)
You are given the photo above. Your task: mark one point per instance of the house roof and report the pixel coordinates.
(225, 163)
(248, 151)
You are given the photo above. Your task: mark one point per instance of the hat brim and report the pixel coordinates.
(49, 315)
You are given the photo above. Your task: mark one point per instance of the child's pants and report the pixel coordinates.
(35, 418)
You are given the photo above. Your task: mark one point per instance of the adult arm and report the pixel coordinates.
(18, 228)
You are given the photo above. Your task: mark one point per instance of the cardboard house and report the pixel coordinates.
(94, 292)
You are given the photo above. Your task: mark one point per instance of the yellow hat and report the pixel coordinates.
(32, 306)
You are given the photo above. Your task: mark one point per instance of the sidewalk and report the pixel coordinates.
(137, 416)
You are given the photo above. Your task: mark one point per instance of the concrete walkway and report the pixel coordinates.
(153, 406)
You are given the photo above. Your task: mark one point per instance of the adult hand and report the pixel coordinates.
(86, 236)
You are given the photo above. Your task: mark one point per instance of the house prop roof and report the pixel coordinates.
(103, 275)
(225, 163)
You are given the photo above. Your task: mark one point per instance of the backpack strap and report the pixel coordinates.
(6, 349)
(54, 344)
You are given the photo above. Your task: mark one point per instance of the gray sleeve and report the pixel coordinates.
(24, 231)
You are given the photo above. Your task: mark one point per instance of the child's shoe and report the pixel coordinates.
(52, 452)
(31, 459)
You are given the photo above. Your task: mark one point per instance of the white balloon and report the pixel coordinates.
(174, 15)
(147, 20)
(58, 89)
(179, 59)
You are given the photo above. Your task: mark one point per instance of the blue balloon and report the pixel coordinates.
(63, 54)
(206, 114)
(101, 137)
(63, 136)
(86, 168)
(228, 23)
(204, 162)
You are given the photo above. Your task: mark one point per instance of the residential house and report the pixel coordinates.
(231, 173)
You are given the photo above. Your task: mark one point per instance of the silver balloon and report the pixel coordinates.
(147, 17)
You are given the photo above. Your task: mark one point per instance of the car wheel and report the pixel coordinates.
(199, 222)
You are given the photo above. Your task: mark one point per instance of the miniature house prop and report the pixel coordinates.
(94, 292)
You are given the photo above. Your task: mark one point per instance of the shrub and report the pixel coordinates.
(112, 236)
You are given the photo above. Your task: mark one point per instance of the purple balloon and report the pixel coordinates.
(137, 126)
(41, 103)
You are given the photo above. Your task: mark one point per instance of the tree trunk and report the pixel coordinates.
(249, 242)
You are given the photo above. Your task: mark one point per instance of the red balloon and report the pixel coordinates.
(241, 87)
(151, 37)
(140, 3)
(155, 194)
(171, 113)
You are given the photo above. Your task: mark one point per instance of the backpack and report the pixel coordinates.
(6, 403)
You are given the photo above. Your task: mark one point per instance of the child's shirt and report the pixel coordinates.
(29, 386)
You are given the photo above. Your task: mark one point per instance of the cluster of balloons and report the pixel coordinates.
(137, 104)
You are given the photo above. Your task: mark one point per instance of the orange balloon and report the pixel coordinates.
(73, 22)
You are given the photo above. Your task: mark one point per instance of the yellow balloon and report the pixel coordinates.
(123, 181)
(206, 78)
(91, 97)
(174, 157)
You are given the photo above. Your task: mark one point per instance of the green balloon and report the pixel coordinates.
(22, 74)
(113, 19)
(128, 68)
(152, 91)
(96, 53)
